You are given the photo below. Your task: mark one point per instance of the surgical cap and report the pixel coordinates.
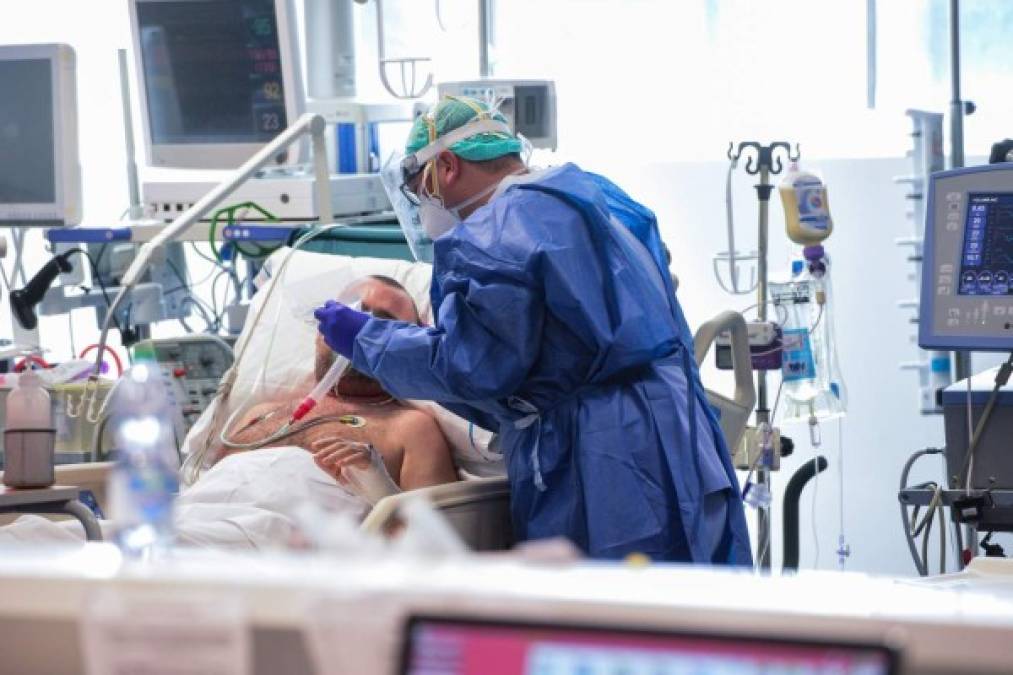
(456, 111)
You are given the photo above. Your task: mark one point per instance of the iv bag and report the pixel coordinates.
(812, 387)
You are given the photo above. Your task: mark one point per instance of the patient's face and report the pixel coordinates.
(383, 302)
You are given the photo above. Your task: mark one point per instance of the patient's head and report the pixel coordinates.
(384, 298)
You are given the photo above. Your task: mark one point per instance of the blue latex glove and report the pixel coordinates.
(340, 324)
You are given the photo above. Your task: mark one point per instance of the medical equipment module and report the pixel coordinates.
(244, 56)
(966, 294)
(216, 80)
(966, 304)
(765, 346)
(196, 362)
(992, 468)
(39, 136)
(528, 105)
(287, 196)
(162, 293)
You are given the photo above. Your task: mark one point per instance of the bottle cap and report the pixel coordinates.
(812, 253)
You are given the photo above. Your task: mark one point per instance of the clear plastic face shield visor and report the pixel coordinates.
(399, 171)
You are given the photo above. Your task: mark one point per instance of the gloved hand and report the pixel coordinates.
(357, 466)
(339, 324)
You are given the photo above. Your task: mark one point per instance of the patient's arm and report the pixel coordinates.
(415, 455)
(426, 460)
(411, 443)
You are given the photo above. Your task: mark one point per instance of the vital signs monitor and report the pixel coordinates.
(40, 173)
(967, 274)
(218, 79)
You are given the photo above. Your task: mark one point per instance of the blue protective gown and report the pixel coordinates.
(556, 328)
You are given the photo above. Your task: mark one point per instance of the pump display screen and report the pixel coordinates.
(458, 647)
(212, 71)
(26, 132)
(986, 262)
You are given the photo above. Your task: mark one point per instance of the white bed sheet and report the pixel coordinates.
(255, 500)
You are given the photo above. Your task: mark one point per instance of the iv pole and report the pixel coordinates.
(958, 108)
(765, 161)
(485, 37)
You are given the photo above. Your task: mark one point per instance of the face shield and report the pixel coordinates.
(400, 170)
(394, 184)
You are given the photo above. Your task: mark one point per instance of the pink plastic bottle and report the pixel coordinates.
(29, 436)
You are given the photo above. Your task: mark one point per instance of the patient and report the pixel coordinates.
(373, 426)
(259, 499)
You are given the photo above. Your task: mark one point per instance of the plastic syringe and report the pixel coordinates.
(318, 392)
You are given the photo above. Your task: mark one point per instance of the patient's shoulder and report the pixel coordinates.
(417, 427)
(412, 418)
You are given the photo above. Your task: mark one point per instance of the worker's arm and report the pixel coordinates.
(487, 334)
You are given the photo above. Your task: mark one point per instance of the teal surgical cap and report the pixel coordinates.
(453, 112)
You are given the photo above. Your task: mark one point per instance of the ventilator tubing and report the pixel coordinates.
(331, 377)
(326, 384)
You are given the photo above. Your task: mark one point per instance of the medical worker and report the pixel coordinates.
(556, 326)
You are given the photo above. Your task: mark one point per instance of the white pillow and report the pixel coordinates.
(283, 342)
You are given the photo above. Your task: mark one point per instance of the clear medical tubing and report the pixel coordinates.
(325, 384)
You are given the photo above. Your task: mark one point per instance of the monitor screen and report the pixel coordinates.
(28, 173)
(458, 647)
(212, 71)
(986, 260)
